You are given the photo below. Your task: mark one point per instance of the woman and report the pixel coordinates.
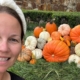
(12, 30)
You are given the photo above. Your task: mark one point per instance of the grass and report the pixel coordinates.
(44, 70)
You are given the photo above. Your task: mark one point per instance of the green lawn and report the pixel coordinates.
(44, 70)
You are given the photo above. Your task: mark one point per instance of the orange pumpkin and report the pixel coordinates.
(37, 31)
(55, 35)
(75, 34)
(56, 51)
(50, 27)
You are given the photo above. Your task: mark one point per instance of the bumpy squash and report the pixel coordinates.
(25, 55)
(31, 42)
(44, 35)
(64, 29)
(40, 43)
(56, 51)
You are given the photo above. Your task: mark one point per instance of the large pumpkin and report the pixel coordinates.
(75, 34)
(56, 51)
(50, 27)
(37, 31)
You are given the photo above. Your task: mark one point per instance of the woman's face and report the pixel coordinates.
(10, 40)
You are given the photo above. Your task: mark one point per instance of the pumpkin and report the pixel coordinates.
(25, 55)
(75, 34)
(37, 31)
(37, 53)
(40, 43)
(64, 29)
(50, 27)
(31, 42)
(56, 51)
(44, 35)
(73, 58)
(55, 35)
(77, 49)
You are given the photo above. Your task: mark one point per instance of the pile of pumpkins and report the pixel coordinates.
(54, 44)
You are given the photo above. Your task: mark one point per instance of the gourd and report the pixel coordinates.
(73, 58)
(37, 53)
(64, 29)
(55, 35)
(31, 42)
(77, 49)
(37, 31)
(44, 35)
(56, 51)
(75, 34)
(40, 43)
(25, 55)
(50, 27)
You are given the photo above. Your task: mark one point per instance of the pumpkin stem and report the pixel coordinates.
(52, 21)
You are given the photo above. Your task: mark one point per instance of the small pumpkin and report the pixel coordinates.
(40, 43)
(77, 49)
(56, 51)
(44, 35)
(37, 31)
(73, 58)
(50, 27)
(64, 29)
(75, 34)
(37, 53)
(31, 42)
(55, 35)
(25, 55)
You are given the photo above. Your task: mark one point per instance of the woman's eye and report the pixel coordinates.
(14, 40)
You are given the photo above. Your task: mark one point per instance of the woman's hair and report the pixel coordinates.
(15, 14)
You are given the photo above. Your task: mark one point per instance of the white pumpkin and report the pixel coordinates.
(73, 58)
(40, 43)
(37, 53)
(30, 42)
(45, 35)
(64, 29)
(77, 49)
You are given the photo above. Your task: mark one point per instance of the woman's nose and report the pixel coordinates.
(3, 46)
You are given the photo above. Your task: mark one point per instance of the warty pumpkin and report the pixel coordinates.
(56, 51)
(37, 53)
(44, 35)
(50, 27)
(40, 43)
(25, 55)
(75, 34)
(31, 42)
(64, 29)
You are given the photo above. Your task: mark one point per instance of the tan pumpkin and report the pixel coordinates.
(31, 42)
(64, 29)
(25, 55)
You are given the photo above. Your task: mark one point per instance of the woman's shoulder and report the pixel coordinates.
(15, 76)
